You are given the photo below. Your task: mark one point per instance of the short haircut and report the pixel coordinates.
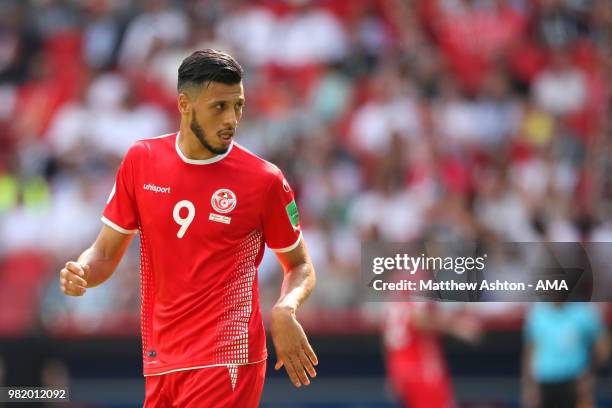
(205, 66)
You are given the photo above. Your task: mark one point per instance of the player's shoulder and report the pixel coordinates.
(144, 147)
(255, 163)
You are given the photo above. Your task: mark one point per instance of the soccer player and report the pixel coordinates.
(416, 365)
(204, 207)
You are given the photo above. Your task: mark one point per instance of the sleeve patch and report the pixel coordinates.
(293, 214)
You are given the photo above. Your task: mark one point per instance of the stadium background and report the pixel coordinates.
(391, 119)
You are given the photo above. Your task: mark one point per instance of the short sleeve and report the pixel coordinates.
(593, 324)
(120, 211)
(281, 220)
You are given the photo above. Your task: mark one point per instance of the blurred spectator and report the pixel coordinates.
(558, 25)
(159, 24)
(561, 88)
(487, 121)
(119, 121)
(392, 109)
(500, 209)
(101, 34)
(460, 27)
(19, 42)
(308, 35)
(250, 29)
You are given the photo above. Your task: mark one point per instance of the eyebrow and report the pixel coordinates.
(216, 101)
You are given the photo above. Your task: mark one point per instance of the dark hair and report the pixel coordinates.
(208, 66)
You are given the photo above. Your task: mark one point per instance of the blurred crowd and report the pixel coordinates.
(396, 120)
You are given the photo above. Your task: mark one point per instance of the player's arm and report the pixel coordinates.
(530, 394)
(292, 347)
(96, 264)
(529, 387)
(602, 347)
(462, 326)
(602, 350)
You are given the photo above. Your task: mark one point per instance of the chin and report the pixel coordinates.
(220, 150)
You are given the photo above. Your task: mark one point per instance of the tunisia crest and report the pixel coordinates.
(223, 200)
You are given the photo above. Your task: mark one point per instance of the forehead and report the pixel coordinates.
(217, 91)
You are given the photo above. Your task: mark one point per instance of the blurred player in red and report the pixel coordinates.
(416, 366)
(204, 207)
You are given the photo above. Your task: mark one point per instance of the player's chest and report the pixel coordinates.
(198, 206)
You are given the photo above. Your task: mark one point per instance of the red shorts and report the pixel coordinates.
(223, 386)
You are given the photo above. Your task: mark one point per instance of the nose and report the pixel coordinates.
(230, 120)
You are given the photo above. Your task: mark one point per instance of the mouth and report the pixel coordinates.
(226, 137)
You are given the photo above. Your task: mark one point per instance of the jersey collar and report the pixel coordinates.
(214, 159)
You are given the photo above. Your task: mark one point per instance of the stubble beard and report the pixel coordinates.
(199, 133)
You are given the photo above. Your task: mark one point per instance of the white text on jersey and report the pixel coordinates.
(156, 189)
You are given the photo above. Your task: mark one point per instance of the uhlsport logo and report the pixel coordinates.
(223, 200)
(157, 189)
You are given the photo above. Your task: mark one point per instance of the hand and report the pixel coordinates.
(467, 328)
(292, 348)
(73, 279)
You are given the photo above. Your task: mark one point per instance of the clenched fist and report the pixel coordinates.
(73, 279)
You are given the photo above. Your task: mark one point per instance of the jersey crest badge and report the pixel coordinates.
(223, 200)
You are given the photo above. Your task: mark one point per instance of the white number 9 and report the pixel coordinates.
(183, 222)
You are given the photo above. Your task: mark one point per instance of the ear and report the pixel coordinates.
(184, 104)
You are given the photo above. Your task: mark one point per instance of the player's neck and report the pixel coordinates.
(191, 147)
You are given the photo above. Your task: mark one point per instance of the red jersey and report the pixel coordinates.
(415, 360)
(404, 340)
(203, 225)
